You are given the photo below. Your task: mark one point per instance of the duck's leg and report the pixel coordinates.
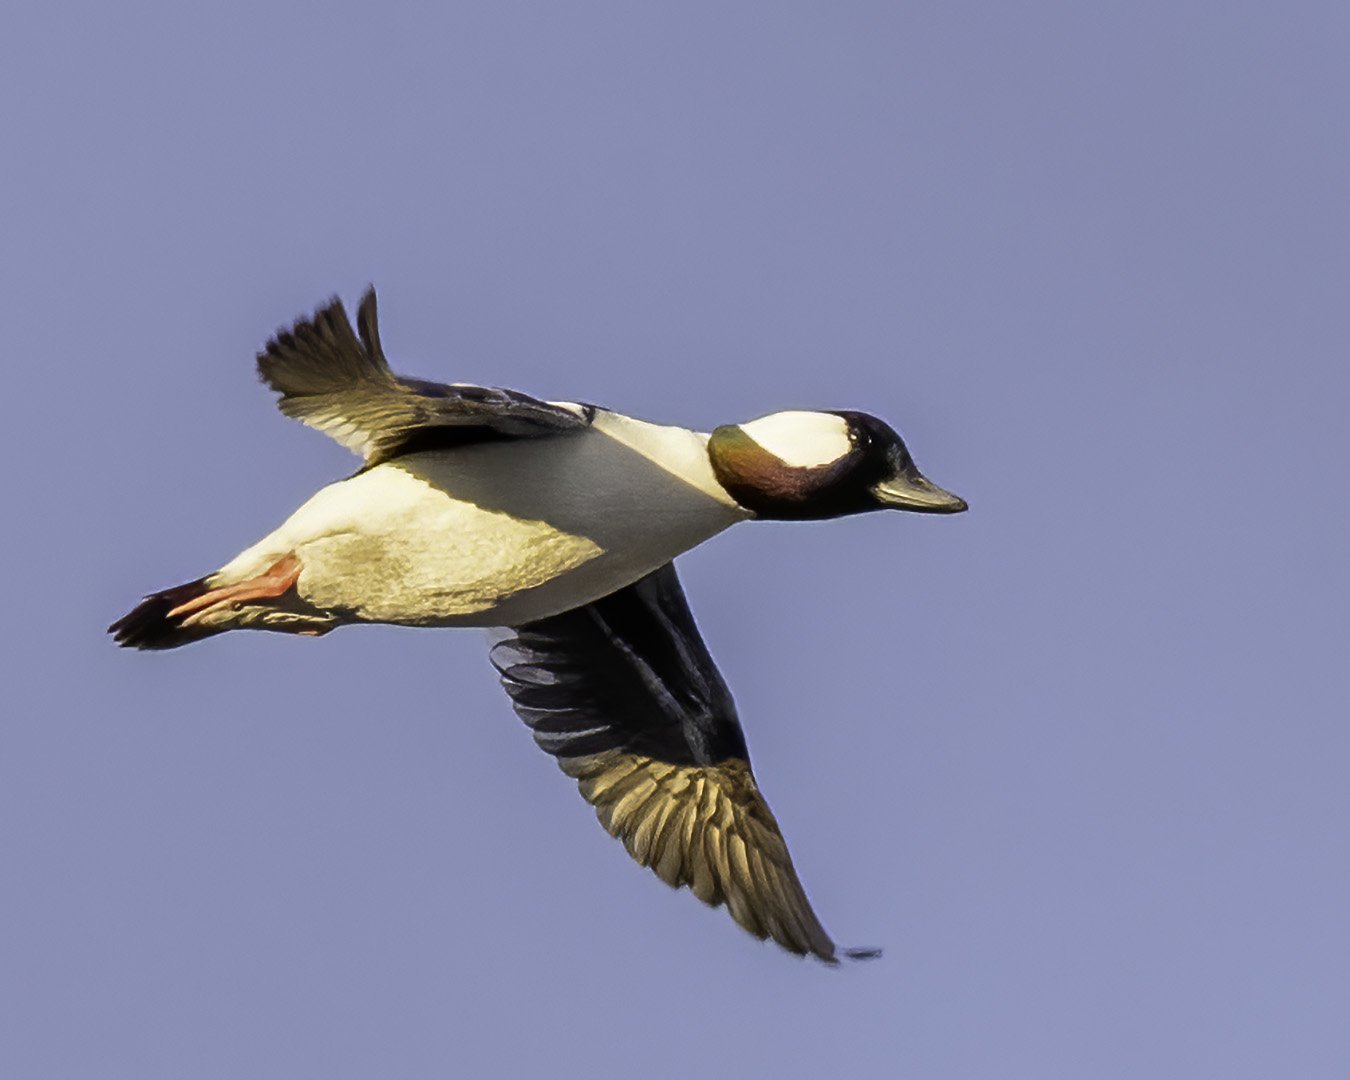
(187, 613)
(273, 582)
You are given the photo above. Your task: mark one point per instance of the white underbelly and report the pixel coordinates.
(436, 561)
(491, 535)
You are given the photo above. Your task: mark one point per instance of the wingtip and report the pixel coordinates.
(368, 326)
(835, 957)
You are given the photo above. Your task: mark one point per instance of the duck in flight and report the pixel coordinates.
(558, 523)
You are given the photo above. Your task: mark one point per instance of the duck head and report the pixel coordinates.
(808, 466)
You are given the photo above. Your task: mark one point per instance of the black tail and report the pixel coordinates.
(148, 625)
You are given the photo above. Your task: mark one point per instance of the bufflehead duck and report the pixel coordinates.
(558, 521)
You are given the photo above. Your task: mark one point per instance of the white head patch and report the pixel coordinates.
(803, 440)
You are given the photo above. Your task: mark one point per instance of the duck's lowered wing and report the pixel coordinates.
(625, 695)
(337, 381)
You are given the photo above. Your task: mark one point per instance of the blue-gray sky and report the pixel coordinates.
(1077, 759)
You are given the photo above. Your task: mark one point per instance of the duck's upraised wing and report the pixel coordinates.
(339, 383)
(625, 695)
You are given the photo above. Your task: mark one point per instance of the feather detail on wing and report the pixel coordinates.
(625, 695)
(337, 381)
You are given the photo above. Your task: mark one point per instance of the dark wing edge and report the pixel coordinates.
(625, 695)
(338, 381)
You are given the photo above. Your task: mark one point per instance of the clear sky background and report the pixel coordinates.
(1077, 758)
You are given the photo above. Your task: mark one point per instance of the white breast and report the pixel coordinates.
(501, 533)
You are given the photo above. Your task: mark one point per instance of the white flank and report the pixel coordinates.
(500, 533)
(802, 440)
